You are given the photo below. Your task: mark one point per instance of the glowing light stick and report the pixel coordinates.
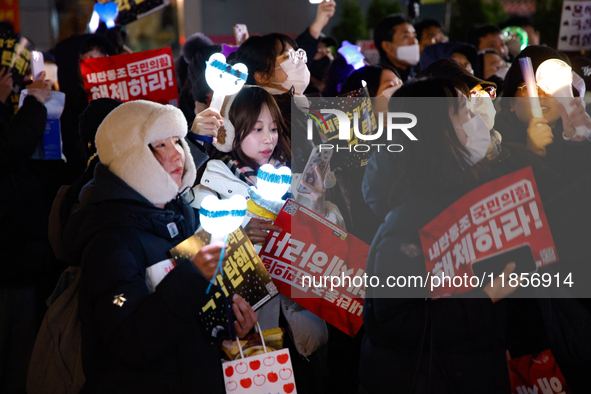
(515, 31)
(220, 218)
(107, 12)
(224, 79)
(272, 184)
(555, 77)
(532, 89)
(352, 54)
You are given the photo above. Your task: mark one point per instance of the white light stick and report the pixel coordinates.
(272, 184)
(555, 77)
(223, 79)
(221, 217)
(532, 89)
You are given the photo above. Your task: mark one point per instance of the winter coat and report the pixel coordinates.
(55, 226)
(450, 345)
(23, 217)
(570, 159)
(218, 180)
(309, 331)
(133, 340)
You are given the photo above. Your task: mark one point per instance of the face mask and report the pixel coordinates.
(410, 54)
(484, 107)
(502, 72)
(478, 138)
(298, 76)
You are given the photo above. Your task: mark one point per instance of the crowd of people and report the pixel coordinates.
(132, 170)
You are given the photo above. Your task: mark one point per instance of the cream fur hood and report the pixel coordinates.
(122, 143)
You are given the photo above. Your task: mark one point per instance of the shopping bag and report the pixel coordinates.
(269, 372)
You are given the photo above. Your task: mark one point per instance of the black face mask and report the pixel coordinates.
(319, 67)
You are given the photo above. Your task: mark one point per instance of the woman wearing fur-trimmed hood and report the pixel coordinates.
(140, 325)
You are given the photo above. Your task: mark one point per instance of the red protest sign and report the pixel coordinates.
(147, 75)
(305, 254)
(537, 373)
(496, 223)
(9, 11)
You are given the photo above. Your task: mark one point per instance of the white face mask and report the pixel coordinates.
(484, 107)
(410, 54)
(298, 76)
(478, 138)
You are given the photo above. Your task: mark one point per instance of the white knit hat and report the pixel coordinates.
(122, 145)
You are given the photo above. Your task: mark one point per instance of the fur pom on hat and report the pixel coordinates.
(122, 143)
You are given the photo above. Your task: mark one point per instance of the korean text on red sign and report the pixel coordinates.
(147, 75)
(310, 249)
(494, 218)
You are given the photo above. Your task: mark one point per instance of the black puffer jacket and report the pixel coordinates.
(150, 343)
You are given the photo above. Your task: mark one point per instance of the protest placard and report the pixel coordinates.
(9, 11)
(306, 255)
(132, 10)
(502, 218)
(147, 75)
(356, 104)
(575, 26)
(537, 373)
(243, 274)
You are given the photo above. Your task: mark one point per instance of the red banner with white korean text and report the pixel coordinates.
(308, 252)
(9, 12)
(499, 222)
(147, 75)
(537, 373)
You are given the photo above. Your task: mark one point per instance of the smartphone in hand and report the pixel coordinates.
(240, 33)
(318, 158)
(37, 64)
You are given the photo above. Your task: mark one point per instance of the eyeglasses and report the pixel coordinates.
(297, 56)
(523, 89)
(479, 91)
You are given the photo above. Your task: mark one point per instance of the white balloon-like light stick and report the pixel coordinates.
(223, 78)
(555, 77)
(272, 183)
(221, 217)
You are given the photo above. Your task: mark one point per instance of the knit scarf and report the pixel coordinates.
(245, 173)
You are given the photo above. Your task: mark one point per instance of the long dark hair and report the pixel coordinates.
(370, 74)
(259, 54)
(244, 114)
(438, 159)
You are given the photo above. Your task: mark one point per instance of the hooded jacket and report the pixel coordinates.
(134, 340)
